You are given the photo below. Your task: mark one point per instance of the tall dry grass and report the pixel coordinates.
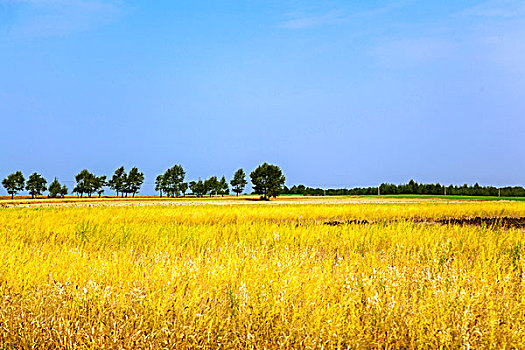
(260, 277)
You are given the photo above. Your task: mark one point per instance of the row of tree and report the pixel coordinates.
(121, 182)
(267, 180)
(35, 185)
(171, 183)
(87, 183)
(412, 187)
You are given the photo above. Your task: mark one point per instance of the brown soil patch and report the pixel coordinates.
(505, 222)
(348, 222)
(484, 221)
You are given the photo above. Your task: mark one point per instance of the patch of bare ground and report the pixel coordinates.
(504, 222)
(348, 222)
(507, 222)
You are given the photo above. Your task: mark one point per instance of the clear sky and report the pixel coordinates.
(338, 93)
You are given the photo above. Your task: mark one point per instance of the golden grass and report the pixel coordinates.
(260, 276)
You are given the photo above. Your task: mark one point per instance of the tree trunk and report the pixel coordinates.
(12, 195)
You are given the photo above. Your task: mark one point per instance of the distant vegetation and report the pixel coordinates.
(267, 180)
(411, 187)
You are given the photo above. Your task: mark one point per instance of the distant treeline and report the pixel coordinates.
(411, 187)
(267, 180)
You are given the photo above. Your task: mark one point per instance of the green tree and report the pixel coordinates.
(118, 180)
(211, 185)
(134, 181)
(63, 191)
(99, 182)
(267, 180)
(223, 187)
(55, 189)
(198, 188)
(86, 183)
(14, 183)
(172, 180)
(183, 188)
(159, 184)
(239, 181)
(35, 185)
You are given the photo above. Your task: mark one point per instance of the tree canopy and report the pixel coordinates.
(183, 188)
(14, 183)
(118, 181)
(267, 180)
(211, 185)
(88, 183)
(56, 189)
(36, 184)
(159, 184)
(134, 181)
(239, 181)
(171, 182)
(198, 188)
(222, 187)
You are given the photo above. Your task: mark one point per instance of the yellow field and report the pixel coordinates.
(260, 276)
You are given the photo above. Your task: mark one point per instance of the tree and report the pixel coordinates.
(223, 187)
(56, 189)
(35, 185)
(118, 180)
(81, 180)
(267, 180)
(14, 183)
(183, 188)
(172, 180)
(198, 188)
(89, 183)
(134, 181)
(211, 185)
(239, 181)
(63, 191)
(159, 184)
(86, 183)
(99, 182)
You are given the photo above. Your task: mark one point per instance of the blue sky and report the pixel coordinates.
(338, 93)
